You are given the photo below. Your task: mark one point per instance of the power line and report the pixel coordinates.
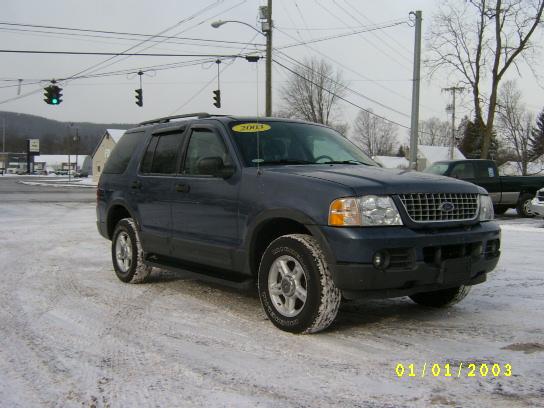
(55, 34)
(332, 37)
(94, 67)
(117, 33)
(379, 49)
(115, 54)
(357, 73)
(340, 97)
(347, 88)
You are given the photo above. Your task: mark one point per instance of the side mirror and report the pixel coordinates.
(214, 166)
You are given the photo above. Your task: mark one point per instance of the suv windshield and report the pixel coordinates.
(294, 143)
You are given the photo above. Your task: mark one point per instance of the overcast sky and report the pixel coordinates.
(376, 64)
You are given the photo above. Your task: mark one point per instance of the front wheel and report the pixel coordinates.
(295, 285)
(442, 298)
(524, 206)
(127, 253)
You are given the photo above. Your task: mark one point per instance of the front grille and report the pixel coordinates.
(440, 207)
(540, 196)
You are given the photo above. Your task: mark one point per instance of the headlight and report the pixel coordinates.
(486, 208)
(368, 210)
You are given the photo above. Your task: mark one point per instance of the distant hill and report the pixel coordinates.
(55, 137)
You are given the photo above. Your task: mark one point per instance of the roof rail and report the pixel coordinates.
(169, 118)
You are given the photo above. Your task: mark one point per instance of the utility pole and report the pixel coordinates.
(3, 135)
(268, 33)
(414, 132)
(453, 90)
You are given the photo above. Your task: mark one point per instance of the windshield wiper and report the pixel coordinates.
(284, 161)
(344, 162)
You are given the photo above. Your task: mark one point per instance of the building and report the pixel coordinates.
(513, 168)
(427, 155)
(13, 162)
(58, 163)
(103, 151)
(392, 162)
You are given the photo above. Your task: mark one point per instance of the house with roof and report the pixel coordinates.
(427, 155)
(514, 168)
(103, 150)
(392, 162)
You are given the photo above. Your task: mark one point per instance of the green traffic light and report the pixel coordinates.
(54, 101)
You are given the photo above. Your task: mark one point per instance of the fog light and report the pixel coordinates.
(380, 260)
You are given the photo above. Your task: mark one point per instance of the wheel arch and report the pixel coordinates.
(273, 224)
(116, 212)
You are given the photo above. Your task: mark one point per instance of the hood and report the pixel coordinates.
(375, 180)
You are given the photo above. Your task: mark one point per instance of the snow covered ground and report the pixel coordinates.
(72, 335)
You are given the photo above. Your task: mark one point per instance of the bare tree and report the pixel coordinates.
(311, 93)
(377, 137)
(434, 132)
(482, 39)
(515, 124)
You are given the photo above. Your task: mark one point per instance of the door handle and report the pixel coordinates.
(183, 188)
(136, 185)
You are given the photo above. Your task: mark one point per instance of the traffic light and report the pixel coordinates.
(217, 98)
(139, 97)
(52, 95)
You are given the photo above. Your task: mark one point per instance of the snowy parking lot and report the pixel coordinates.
(73, 335)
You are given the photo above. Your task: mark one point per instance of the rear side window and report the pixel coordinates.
(162, 154)
(463, 171)
(485, 170)
(122, 152)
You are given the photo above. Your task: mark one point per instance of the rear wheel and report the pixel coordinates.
(127, 253)
(524, 206)
(442, 298)
(295, 285)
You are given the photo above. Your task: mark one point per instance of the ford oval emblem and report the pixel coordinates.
(446, 207)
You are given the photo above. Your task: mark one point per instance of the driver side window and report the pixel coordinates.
(204, 143)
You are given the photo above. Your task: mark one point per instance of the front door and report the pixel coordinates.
(205, 207)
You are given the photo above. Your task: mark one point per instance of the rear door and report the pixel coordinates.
(205, 207)
(154, 189)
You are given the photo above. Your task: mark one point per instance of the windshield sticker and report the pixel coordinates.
(251, 127)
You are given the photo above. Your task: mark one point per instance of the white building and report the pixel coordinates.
(53, 163)
(427, 155)
(103, 150)
(392, 162)
(513, 168)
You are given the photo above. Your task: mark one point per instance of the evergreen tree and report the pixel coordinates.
(537, 137)
(401, 152)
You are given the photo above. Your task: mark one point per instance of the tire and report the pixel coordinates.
(524, 206)
(442, 298)
(295, 285)
(500, 210)
(127, 253)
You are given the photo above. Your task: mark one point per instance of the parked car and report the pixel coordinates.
(505, 191)
(537, 204)
(295, 207)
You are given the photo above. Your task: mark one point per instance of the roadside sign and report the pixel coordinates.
(34, 146)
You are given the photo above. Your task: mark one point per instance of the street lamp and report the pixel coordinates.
(267, 32)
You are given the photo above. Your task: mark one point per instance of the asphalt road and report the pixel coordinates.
(12, 190)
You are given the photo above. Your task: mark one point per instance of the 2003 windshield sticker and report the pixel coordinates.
(251, 127)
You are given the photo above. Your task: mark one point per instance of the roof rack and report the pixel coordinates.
(169, 118)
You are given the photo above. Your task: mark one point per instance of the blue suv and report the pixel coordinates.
(295, 207)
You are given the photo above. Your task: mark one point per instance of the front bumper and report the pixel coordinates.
(537, 207)
(417, 260)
